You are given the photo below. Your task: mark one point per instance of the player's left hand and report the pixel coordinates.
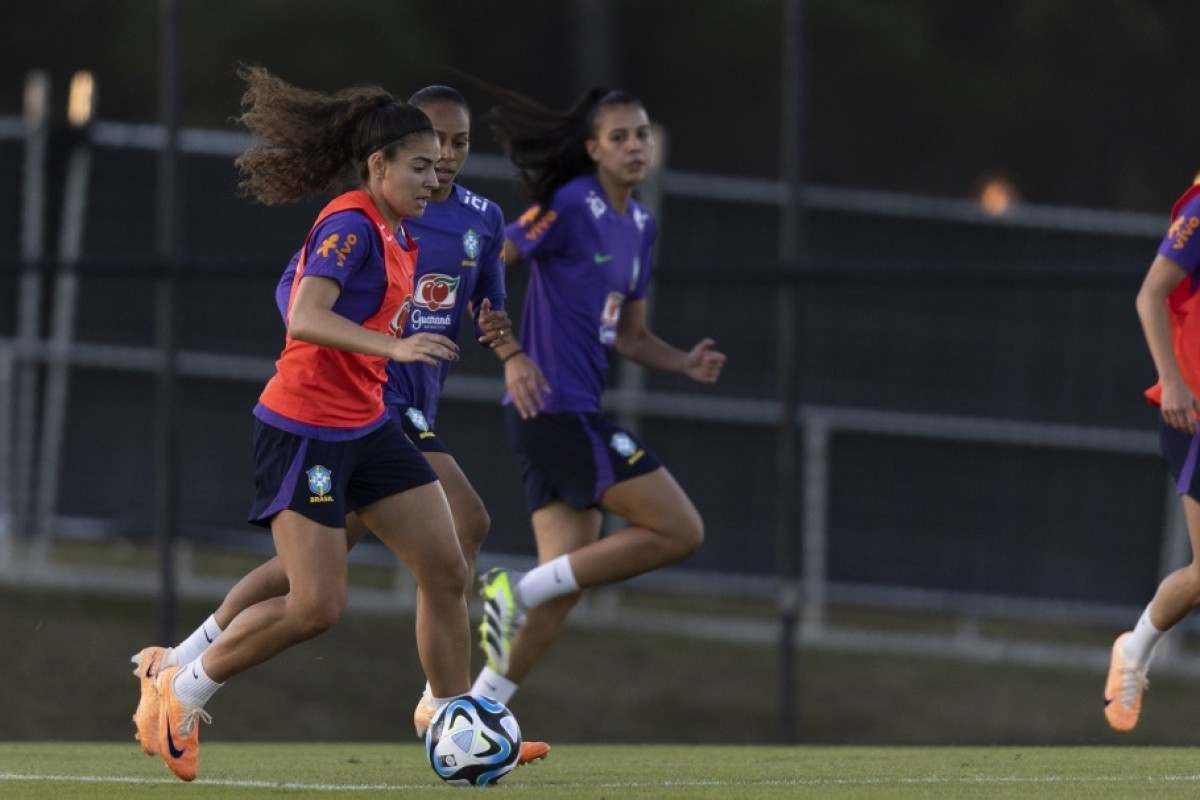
(703, 364)
(494, 323)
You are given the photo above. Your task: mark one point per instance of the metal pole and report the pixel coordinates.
(791, 259)
(6, 469)
(165, 454)
(593, 35)
(62, 321)
(29, 303)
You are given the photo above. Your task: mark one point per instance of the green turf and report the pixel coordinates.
(89, 770)
(66, 671)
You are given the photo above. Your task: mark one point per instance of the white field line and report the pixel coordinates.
(932, 780)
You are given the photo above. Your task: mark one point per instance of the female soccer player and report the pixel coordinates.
(589, 244)
(1169, 309)
(458, 269)
(323, 442)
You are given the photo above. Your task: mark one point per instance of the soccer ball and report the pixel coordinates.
(473, 740)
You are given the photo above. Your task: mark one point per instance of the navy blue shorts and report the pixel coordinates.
(412, 421)
(324, 481)
(574, 457)
(1180, 450)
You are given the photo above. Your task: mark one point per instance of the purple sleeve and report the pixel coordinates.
(339, 246)
(491, 272)
(641, 281)
(538, 232)
(283, 291)
(1182, 242)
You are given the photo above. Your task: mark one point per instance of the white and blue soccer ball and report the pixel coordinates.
(473, 741)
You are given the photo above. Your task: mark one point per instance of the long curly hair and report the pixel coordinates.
(309, 142)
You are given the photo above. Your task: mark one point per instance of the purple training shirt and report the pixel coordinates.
(587, 262)
(1182, 242)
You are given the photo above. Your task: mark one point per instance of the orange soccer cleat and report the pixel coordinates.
(532, 751)
(423, 714)
(179, 728)
(146, 664)
(1123, 690)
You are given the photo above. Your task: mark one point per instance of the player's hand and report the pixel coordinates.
(703, 364)
(526, 385)
(426, 348)
(494, 323)
(1179, 406)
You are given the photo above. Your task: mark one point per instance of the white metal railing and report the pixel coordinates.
(709, 186)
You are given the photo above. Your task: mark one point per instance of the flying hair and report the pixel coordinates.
(548, 147)
(309, 142)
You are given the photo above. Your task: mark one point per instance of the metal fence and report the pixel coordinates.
(972, 444)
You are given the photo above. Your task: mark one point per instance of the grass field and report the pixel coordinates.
(66, 668)
(260, 770)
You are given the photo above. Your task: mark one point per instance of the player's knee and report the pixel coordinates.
(687, 534)
(317, 614)
(473, 527)
(447, 580)
(1192, 574)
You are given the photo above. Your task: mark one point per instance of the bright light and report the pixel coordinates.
(81, 98)
(997, 197)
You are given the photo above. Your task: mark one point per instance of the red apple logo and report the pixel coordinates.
(436, 291)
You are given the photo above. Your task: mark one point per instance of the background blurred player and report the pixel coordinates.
(1167, 305)
(589, 244)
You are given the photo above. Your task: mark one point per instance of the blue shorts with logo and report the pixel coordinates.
(324, 480)
(1181, 451)
(574, 457)
(417, 428)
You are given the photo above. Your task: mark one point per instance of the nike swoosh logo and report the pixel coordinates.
(556, 578)
(194, 675)
(175, 752)
(490, 685)
(600, 258)
(206, 637)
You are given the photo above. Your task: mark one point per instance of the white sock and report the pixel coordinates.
(194, 646)
(546, 582)
(193, 686)
(438, 702)
(494, 685)
(1139, 647)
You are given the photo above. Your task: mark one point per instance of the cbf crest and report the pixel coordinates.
(628, 449)
(623, 443)
(471, 244)
(417, 419)
(320, 484)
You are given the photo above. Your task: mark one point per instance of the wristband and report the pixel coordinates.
(516, 352)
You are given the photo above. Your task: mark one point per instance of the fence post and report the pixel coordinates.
(6, 469)
(817, 434)
(62, 334)
(29, 293)
(793, 258)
